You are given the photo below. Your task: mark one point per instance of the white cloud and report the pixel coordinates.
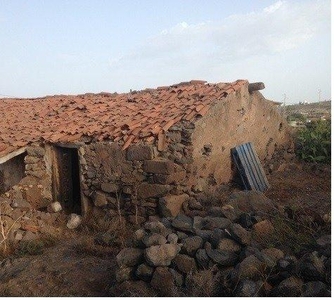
(274, 7)
(215, 49)
(279, 27)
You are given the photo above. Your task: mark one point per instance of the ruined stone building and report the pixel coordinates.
(136, 152)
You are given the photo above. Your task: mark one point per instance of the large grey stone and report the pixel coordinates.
(251, 201)
(198, 222)
(211, 223)
(154, 239)
(223, 258)
(182, 222)
(152, 190)
(216, 211)
(163, 281)
(74, 221)
(204, 234)
(202, 258)
(139, 152)
(192, 244)
(100, 199)
(273, 253)
(159, 166)
(230, 212)
(193, 204)
(156, 227)
(54, 207)
(178, 277)
(185, 263)
(240, 234)
(144, 272)
(172, 238)
(109, 187)
(129, 257)
(171, 205)
(216, 235)
(263, 229)
(124, 274)
(228, 245)
(161, 255)
(290, 287)
(250, 268)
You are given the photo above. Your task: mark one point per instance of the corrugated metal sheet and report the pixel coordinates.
(249, 167)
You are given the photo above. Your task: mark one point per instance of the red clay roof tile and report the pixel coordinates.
(136, 115)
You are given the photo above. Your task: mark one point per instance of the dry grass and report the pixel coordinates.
(205, 283)
(6, 227)
(290, 234)
(35, 247)
(87, 247)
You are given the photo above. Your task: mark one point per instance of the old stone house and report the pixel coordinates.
(126, 153)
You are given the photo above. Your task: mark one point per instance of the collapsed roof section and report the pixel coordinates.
(125, 118)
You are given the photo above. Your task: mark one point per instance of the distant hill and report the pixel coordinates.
(311, 110)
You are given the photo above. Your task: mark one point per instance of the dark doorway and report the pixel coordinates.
(11, 172)
(67, 183)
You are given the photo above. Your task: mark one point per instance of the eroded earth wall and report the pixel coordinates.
(242, 117)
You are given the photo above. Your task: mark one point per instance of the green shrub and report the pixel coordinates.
(296, 117)
(314, 142)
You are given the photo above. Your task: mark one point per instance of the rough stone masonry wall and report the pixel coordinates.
(128, 183)
(38, 181)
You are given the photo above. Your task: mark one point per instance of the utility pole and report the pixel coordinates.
(284, 101)
(319, 92)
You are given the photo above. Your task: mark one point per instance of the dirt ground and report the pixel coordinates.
(74, 266)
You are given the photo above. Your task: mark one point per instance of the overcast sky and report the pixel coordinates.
(72, 47)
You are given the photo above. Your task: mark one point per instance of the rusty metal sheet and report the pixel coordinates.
(249, 167)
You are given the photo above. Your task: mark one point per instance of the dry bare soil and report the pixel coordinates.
(75, 266)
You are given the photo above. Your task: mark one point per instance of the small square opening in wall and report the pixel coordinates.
(11, 170)
(66, 175)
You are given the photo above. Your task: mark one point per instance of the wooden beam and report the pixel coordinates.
(12, 154)
(68, 145)
(255, 86)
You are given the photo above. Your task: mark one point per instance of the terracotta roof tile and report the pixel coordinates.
(127, 117)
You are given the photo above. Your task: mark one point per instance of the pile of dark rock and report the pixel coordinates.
(220, 253)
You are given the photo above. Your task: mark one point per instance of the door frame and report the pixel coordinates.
(56, 176)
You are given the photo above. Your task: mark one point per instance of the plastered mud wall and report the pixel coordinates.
(240, 118)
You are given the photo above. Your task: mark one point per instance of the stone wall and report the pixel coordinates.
(130, 183)
(37, 185)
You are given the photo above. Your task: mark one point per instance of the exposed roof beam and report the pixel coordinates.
(12, 154)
